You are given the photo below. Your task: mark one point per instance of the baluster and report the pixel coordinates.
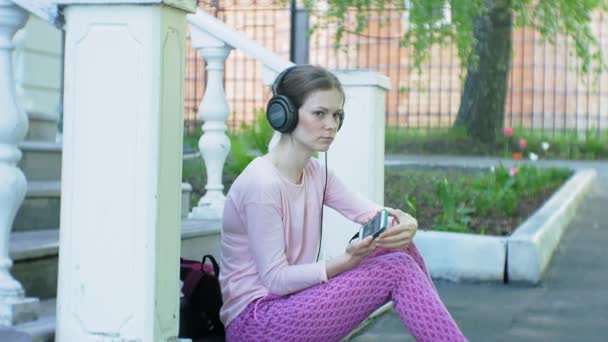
(214, 144)
(14, 308)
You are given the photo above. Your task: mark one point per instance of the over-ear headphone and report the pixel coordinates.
(281, 112)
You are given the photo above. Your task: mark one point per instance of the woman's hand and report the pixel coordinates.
(401, 234)
(355, 252)
(360, 249)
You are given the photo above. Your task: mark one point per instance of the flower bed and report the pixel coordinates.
(522, 256)
(491, 201)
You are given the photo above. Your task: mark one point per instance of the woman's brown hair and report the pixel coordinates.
(303, 80)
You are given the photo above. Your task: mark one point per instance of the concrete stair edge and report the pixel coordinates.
(42, 329)
(42, 116)
(40, 209)
(43, 188)
(40, 146)
(42, 243)
(41, 160)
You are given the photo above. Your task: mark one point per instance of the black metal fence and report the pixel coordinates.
(546, 90)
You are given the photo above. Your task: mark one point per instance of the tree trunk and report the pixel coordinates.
(482, 104)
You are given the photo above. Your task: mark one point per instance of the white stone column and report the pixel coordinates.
(357, 154)
(14, 307)
(121, 173)
(214, 144)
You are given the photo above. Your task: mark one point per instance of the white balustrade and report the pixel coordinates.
(14, 307)
(214, 144)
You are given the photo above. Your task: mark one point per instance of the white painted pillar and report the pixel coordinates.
(121, 172)
(357, 154)
(214, 144)
(14, 307)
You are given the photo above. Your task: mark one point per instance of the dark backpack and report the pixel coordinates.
(200, 305)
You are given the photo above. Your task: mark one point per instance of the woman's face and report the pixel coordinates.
(319, 118)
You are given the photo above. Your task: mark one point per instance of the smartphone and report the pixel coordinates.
(375, 226)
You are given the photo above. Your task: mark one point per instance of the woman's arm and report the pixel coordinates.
(339, 265)
(349, 203)
(267, 243)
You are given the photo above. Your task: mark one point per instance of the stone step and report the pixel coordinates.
(40, 209)
(35, 253)
(42, 329)
(200, 237)
(41, 160)
(42, 127)
(35, 256)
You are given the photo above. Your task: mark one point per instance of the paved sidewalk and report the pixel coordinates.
(570, 303)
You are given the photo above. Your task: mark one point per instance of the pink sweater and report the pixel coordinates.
(271, 231)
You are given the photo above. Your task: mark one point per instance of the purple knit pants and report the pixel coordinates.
(330, 311)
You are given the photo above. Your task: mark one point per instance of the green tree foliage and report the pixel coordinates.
(477, 29)
(569, 18)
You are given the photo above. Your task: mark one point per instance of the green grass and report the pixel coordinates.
(563, 145)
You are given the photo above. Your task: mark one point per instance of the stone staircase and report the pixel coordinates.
(34, 242)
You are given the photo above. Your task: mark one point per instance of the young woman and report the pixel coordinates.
(273, 287)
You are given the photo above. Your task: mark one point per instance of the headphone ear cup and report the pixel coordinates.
(281, 114)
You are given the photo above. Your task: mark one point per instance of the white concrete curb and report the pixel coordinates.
(523, 256)
(457, 256)
(531, 246)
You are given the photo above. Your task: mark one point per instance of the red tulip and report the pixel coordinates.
(507, 131)
(517, 156)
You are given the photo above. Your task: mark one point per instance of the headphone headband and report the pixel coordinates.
(279, 79)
